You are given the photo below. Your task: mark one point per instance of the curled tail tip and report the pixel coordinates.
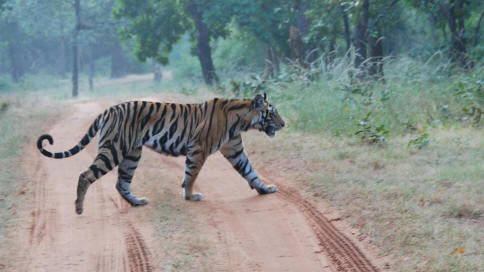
(39, 144)
(42, 138)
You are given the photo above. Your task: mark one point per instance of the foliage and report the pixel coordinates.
(156, 27)
(183, 65)
(254, 85)
(471, 90)
(269, 21)
(370, 134)
(238, 53)
(420, 141)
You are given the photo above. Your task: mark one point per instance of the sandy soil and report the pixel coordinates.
(285, 231)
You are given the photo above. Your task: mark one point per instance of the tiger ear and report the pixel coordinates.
(258, 102)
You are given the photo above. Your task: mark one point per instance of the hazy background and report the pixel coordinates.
(383, 99)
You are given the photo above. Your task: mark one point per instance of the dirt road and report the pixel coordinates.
(248, 232)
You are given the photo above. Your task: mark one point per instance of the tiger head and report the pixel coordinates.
(268, 119)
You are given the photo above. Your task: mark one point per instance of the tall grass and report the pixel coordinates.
(334, 99)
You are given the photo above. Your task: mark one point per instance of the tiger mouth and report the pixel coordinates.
(271, 130)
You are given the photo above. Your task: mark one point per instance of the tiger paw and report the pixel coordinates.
(194, 197)
(266, 189)
(139, 201)
(78, 207)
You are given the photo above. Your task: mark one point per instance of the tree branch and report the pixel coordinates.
(478, 26)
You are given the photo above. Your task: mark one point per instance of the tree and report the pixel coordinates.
(331, 26)
(454, 15)
(157, 25)
(268, 21)
(156, 71)
(360, 34)
(75, 53)
(298, 29)
(40, 36)
(2, 3)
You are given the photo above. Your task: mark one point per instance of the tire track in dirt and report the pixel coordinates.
(108, 236)
(38, 225)
(342, 252)
(138, 254)
(280, 232)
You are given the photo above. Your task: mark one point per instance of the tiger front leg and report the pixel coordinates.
(234, 152)
(193, 165)
(125, 176)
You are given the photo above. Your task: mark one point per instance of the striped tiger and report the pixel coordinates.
(191, 130)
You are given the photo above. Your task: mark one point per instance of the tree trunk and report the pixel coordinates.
(478, 27)
(156, 71)
(75, 53)
(204, 51)
(331, 53)
(297, 47)
(16, 58)
(376, 54)
(63, 53)
(92, 67)
(360, 35)
(457, 33)
(347, 28)
(118, 63)
(301, 28)
(3, 63)
(271, 61)
(15, 66)
(75, 67)
(269, 65)
(63, 68)
(302, 21)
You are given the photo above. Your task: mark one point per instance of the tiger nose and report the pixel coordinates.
(283, 124)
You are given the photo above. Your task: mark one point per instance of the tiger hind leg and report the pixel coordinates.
(103, 163)
(125, 175)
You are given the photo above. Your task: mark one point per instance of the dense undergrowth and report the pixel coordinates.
(410, 97)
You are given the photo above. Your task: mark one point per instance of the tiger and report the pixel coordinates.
(192, 130)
